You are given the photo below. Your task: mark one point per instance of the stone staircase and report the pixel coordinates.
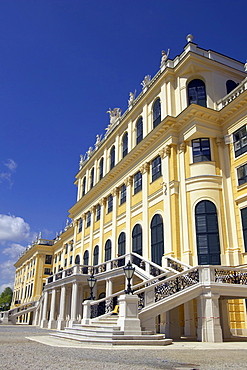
(106, 331)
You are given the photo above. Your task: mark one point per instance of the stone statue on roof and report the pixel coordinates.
(114, 114)
(164, 57)
(146, 81)
(98, 139)
(131, 98)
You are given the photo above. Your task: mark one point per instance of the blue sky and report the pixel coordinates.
(63, 64)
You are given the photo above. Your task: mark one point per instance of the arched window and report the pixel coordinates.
(107, 250)
(207, 233)
(139, 130)
(121, 244)
(92, 178)
(84, 186)
(101, 168)
(197, 92)
(86, 258)
(230, 85)
(156, 113)
(125, 144)
(157, 239)
(96, 255)
(137, 239)
(112, 157)
(77, 259)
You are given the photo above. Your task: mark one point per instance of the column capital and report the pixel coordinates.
(92, 209)
(103, 201)
(219, 141)
(115, 191)
(129, 180)
(145, 167)
(182, 147)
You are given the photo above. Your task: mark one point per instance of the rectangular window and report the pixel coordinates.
(123, 194)
(240, 141)
(137, 182)
(156, 168)
(98, 210)
(48, 259)
(70, 260)
(47, 271)
(201, 150)
(244, 226)
(71, 246)
(66, 248)
(110, 203)
(80, 225)
(88, 219)
(242, 174)
(65, 262)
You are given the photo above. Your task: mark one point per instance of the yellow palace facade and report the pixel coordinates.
(165, 187)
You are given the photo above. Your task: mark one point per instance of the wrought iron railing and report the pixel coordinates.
(230, 276)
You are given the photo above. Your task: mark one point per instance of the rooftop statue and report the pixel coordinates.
(82, 160)
(89, 152)
(114, 114)
(146, 81)
(164, 57)
(131, 98)
(98, 139)
(245, 66)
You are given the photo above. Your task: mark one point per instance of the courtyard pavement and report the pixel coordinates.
(28, 347)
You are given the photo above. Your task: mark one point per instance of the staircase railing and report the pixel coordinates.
(161, 287)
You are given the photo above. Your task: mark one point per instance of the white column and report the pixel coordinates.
(165, 154)
(61, 318)
(73, 318)
(186, 252)
(52, 321)
(44, 321)
(82, 237)
(101, 236)
(209, 328)
(108, 287)
(114, 222)
(146, 251)
(224, 319)
(128, 183)
(92, 210)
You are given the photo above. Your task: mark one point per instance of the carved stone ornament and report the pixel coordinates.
(89, 152)
(146, 81)
(162, 153)
(92, 209)
(245, 66)
(103, 201)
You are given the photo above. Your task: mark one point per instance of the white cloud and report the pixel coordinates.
(7, 273)
(4, 286)
(10, 164)
(13, 229)
(5, 176)
(14, 250)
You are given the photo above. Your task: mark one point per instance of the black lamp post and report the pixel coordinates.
(91, 283)
(129, 271)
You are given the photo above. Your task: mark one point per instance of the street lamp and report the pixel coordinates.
(129, 271)
(91, 283)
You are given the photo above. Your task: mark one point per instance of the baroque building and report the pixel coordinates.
(165, 188)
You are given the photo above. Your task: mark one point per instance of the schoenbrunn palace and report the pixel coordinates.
(166, 189)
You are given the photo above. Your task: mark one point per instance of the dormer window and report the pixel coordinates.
(197, 93)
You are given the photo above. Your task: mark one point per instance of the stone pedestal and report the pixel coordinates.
(86, 313)
(128, 315)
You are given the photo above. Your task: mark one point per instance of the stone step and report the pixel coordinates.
(156, 340)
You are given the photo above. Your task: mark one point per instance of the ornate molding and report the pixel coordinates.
(115, 191)
(145, 167)
(129, 180)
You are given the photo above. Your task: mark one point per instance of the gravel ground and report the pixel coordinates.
(18, 352)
